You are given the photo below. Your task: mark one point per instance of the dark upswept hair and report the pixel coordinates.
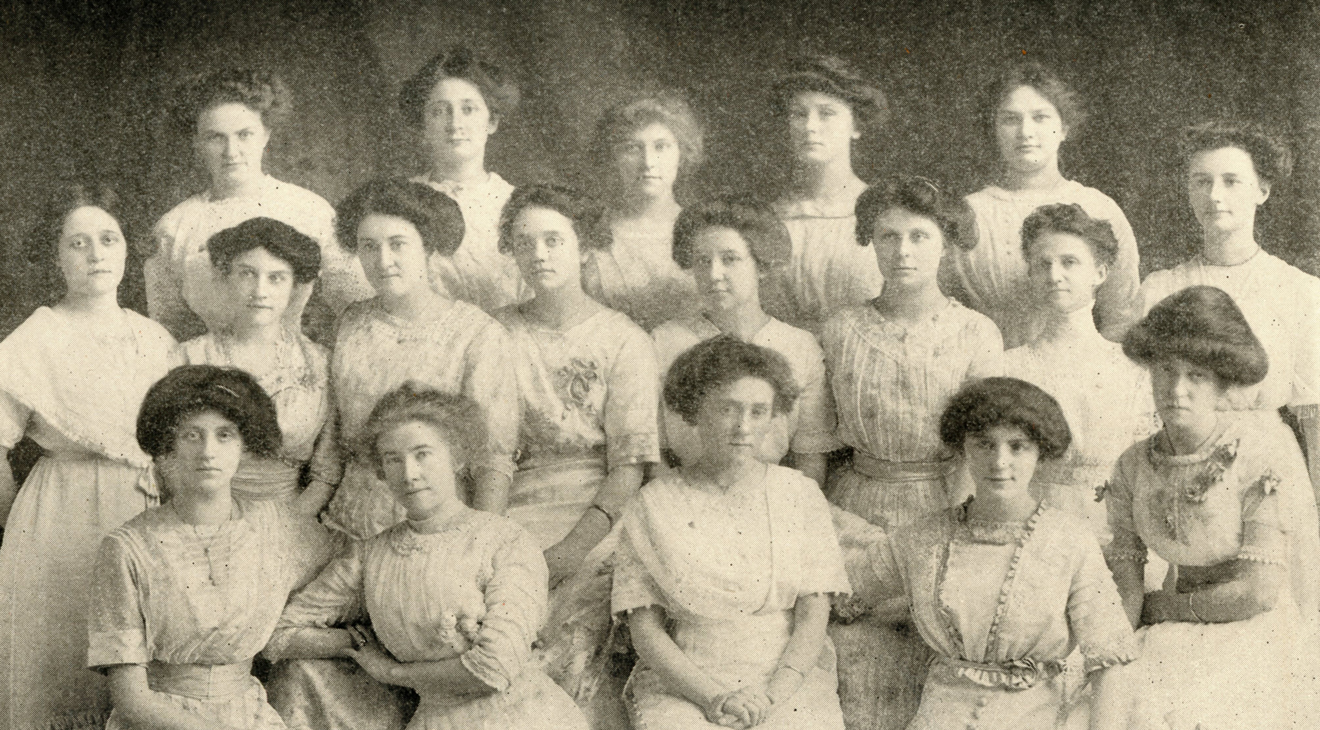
(192, 389)
(766, 236)
(498, 90)
(911, 193)
(1045, 81)
(835, 77)
(1205, 327)
(1071, 219)
(437, 218)
(666, 107)
(583, 212)
(459, 420)
(281, 240)
(261, 91)
(1270, 156)
(715, 363)
(990, 402)
(42, 245)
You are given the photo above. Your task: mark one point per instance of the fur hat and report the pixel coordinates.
(1202, 325)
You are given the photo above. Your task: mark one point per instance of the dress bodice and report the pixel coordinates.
(637, 275)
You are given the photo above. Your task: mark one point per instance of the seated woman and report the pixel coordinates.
(1229, 641)
(185, 594)
(1003, 588)
(230, 115)
(263, 263)
(644, 146)
(725, 566)
(1105, 396)
(731, 246)
(455, 595)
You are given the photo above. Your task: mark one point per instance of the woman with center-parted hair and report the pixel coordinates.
(587, 387)
(893, 363)
(71, 379)
(733, 247)
(1027, 113)
(185, 594)
(1230, 639)
(455, 103)
(645, 146)
(230, 115)
(826, 106)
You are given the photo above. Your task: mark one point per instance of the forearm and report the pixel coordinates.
(810, 615)
(679, 673)
(1111, 698)
(447, 676)
(309, 643)
(314, 498)
(8, 487)
(813, 465)
(620, 485)
(490, 491)
(1130, 578)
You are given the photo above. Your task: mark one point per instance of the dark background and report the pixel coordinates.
(84, 89)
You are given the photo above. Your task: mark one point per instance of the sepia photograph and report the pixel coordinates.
(659, 365)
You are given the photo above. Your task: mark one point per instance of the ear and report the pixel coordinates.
(1265, 187)
(1063, 133)
(1103, 271)
(493, 125)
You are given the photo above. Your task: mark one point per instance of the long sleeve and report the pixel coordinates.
(631, 422)
(1095, 613)
(333, 599)
(490, 380)
(116, 625)
(517, 598)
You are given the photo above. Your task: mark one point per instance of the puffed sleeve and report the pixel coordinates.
(822, 559)
(633, 585)
(1096, 618)
(986, 346)
(13, 420)
(1117, 495)
(1118, 302)
(116, 626)
(517, 597)
(489, 379)
(333, 599)
(631, 426)
(815, 405)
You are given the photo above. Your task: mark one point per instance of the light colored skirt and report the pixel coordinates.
(226, 695)
(334, 694)
(740, 653)
(532, 702)
(68, 504)
(950, 700)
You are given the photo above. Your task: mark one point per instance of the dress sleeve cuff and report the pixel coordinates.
(117, 647)
(484, 667)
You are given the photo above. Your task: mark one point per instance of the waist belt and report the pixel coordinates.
(200, 681)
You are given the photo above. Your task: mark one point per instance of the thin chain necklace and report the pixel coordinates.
(215, 531)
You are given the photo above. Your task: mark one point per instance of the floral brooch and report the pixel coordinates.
(1219, 462)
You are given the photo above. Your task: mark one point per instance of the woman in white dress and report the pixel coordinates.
(644, 147)
(71, 378)
(185, 594)
(1231, 170)
(587, 389)
(455, 103)
(827, 106)
(1105, 396)
(1229, 641)
(726, 566)
(893, 364)
(262, 261)
(731, 247)
(1027, 113)
(230, 115)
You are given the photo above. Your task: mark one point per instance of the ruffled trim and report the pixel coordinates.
(1010, 578)
(1017, 675)
(1123, 652)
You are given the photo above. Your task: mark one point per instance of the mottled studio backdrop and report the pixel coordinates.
(84, 85)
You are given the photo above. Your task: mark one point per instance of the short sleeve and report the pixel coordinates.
(631, 425)
(517, 597)
(333, 599)
(823, 568)
(1127, 545)
(489, 379)
(14, 418)
(633, 585)
(116, 625)
(869, 560)
(1263, 538)
(816, 419)
(1096, 619)
(986, 346)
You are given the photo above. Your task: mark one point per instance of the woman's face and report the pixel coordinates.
(457, 122)
(1001, 459)
(820, 128)
(1064, 272)
(733, 420)
(231, 142)
(1224, 190)
(725, 270)
(416, 463)
(647, 162)
(908, 248)
(207, 449)
(392, 254)
(91, 252)
(1185, 394)
(547, 250)
(261, 284)
(1029, 131)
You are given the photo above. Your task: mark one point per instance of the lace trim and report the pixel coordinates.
(1137, 556)
(1257, 555)
(1010, 578)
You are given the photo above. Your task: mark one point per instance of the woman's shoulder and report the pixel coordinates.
(970, 319)
(787, 339)
(201, 350)
(193, 205)
(143, 530)
(300, 197)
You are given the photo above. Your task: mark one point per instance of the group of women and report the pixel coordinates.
(456, 454)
